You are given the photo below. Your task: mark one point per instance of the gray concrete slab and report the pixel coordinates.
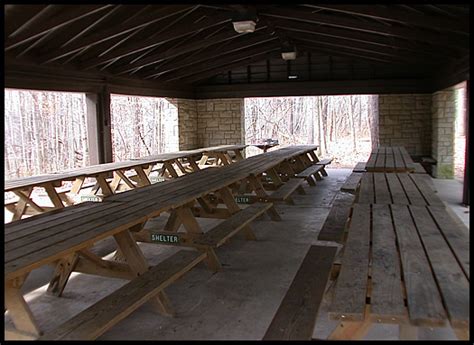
(237, 303)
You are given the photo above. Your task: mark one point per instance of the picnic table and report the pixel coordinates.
(390, 159)
(64, 237)
(130, 174)
(405, 258)
(264, 147)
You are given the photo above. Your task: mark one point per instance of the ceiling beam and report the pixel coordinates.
(18, 15)
(392, 13)
(236, 57)
(149, 18)
(227, 67)
(152, 42)
(358, 36)
(231, 47)
(68, 15)
(182, 50)
(354, 24)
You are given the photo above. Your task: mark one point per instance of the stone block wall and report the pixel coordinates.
(444, 114)
(187, 123)
(220, 121)
(405, 120)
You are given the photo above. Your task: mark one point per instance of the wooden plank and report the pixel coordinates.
(389, 162)
(455, 233)
(370, 165)
(452, 282)
(381, 192)
(335, 223)
(380, 162)
(352, 183)
(359, 167)
(419, 168)
(413, 194)
(297, 313)
(396, 190)
(366, 189)
(283, 192)
(424, 301)
(398, 160)
(426, 190)
(101, 316)
(386, 300)
(351, 286)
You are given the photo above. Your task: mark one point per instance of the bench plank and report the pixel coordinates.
(296, 316)
(359, 167)
(419, 168)
(424, 302)
(450, 278)
(352, 183)
(283, 192)
(308, 172)
(382, 194)
(98, 318)
(325, 161)
(366, 190)
(386, 297)
(333, 227)
(456, 234)
(351, 286)
(396, 189)
(413, 194)
(224, 230)
(426, 190)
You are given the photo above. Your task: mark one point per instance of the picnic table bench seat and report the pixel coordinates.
(359, 167)
(296, 316)
(107, 312)
(352, 183)
(283, 193)
(309, 172)
(335, 223)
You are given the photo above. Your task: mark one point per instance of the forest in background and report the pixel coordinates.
(344, 127)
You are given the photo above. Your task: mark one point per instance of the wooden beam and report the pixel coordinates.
(395, 14)
(18, 15)
(233, 47)
(308, 88)
(354, 24)
(234, 57)
(154, 41)
(179, 51)
(99, 37)
(359, 36)
(68, 15)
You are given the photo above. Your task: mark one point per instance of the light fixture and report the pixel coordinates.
(292, 77)
(244, 26)
(288, 55)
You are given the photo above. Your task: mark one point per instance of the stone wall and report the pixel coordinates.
(220, 121)
(405, 120)
(444, 114)
(187, 123)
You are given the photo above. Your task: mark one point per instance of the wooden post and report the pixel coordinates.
(465, 194)
(99, 127)
(92, 109)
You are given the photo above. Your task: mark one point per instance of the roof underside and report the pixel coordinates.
(196, 45)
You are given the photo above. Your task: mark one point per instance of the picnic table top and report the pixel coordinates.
(396, 188)
(406, 262)
(93, 170)
(390, 159)
(35, 241)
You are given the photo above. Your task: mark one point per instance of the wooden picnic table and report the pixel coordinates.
(264, 147)
(390, 159)
(405, 265)
(64, 236)
(133, 173)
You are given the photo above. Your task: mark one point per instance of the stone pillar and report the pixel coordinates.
(443, 120)
(187, 123)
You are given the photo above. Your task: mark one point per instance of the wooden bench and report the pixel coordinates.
(324, 162)
(101, 316)
(283, 193)
(335, 223)
(352, 183)
(295, 318)
(309, 172)
(359, 167)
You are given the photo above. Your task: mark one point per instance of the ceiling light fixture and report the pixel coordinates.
(244, 26)
(292, 77)
(288, 55)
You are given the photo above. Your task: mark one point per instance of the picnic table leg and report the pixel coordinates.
(25, 200)
(223, 158)
(143, 179)
(192, 226)
(233, 207)
(260, 191)
(238, 155)
(314, 157)
(104, 186)
(173, 223)
(53, 195)
(61, 274)
(203, 159)
(19, 311)
(193, 164)
(138, 265)
(77, 185)
(169, 167)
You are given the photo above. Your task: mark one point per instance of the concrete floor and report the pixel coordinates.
(237, 303)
